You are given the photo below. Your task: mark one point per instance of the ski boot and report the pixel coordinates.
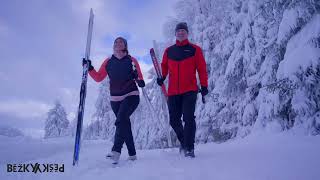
(114, 156)
(189, 153)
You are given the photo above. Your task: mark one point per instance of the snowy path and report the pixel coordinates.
(259, 157)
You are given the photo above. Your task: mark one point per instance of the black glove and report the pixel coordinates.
(140, 83)
(84, 61)
(204, 91)
(160, 80)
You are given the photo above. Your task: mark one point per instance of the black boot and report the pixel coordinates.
(189, 153)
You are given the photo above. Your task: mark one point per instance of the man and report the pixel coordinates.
(181, 61)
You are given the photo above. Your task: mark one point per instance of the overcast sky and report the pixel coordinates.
(42, 43)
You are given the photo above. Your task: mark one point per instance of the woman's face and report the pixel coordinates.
(119, 45)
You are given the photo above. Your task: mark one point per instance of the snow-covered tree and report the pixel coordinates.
(10, 131)
(102, 124)
(72, 128)
(56, 124)
(255, 53)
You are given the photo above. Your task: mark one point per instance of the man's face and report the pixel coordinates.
(181, 34)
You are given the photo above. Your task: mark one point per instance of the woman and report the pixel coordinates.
(124, 72)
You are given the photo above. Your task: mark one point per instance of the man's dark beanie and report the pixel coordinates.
(182, 25)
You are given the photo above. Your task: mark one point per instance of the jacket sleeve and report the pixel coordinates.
(140, 77)
(164, 64)
(101, 74)
(201, 67)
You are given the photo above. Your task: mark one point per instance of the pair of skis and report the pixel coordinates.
(164, 93)
(83, 92)
(158, 71)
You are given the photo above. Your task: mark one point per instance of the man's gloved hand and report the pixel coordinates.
(160, 80)
(140, 83)
(84, 61)
(204, 91)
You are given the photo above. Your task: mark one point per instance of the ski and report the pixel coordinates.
(158, 71)
(83, 91)
(164, 91)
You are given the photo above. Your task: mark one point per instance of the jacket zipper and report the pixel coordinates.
(178, 78)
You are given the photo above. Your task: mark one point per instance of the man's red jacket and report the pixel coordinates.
(181, 61)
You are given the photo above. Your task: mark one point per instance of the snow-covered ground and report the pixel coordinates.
(282, 156)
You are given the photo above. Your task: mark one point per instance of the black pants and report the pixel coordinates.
(123, 110)
(179, 105)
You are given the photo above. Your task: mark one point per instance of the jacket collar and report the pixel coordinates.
(182, 43)
(124, 57)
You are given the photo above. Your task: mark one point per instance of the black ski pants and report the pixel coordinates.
(123, 110)
(183, 105)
